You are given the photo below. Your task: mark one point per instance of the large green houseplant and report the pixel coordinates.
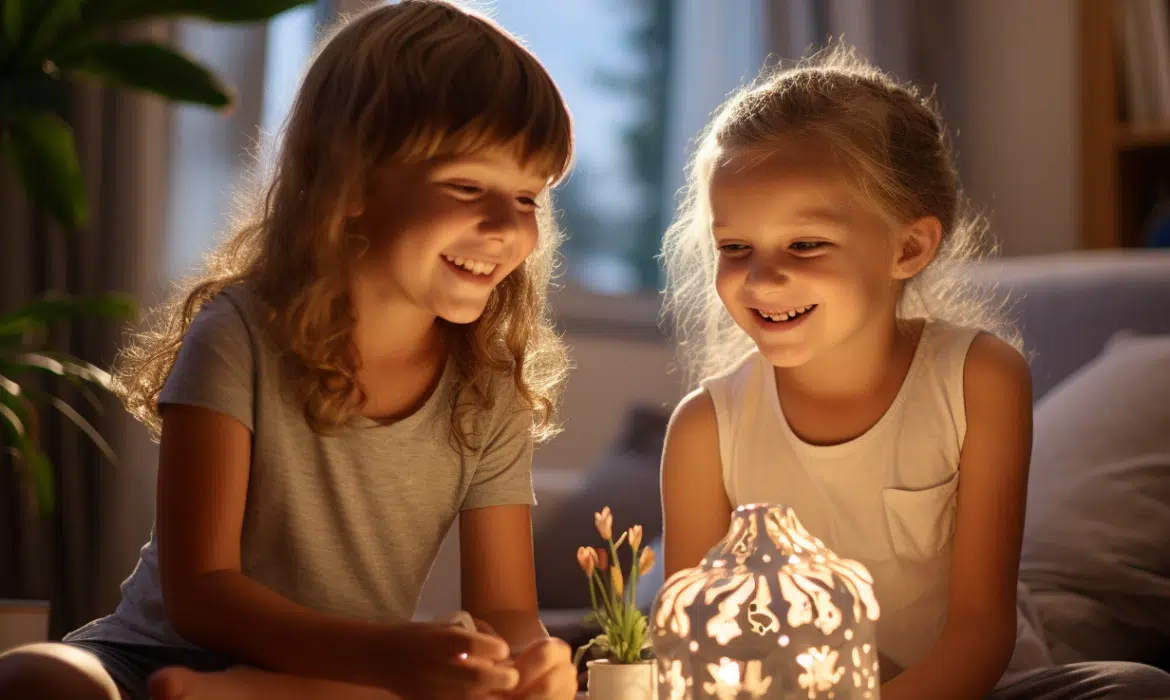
(45, 47)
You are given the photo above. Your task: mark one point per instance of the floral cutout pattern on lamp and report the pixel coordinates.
(771, 612)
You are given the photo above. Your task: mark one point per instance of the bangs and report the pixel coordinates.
(491, 93)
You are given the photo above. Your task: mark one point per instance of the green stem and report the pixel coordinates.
(605, 597)
(634, 580)
(618, 601)
(592, 594)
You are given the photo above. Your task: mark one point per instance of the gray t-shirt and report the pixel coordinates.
(348, 523)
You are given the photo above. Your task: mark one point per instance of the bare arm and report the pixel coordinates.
(695, 508)
(204, 465)
(979, 635)
(498, 577)
(499, 587)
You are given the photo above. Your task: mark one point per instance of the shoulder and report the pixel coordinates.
(218, 359)
(693, 431)
(235, 311)
(737, 373)
(509, 410)
(995, 372)
(696, 410)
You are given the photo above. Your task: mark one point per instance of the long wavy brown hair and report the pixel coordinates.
(897, 152)
(396, 83)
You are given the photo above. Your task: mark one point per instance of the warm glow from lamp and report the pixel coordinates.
(770, 612)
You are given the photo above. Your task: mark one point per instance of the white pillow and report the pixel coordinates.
(1097, 541)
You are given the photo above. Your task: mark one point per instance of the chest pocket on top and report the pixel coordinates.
(921, 521)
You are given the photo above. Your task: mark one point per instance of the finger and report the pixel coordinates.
(542, 658)
(480, 645)
(484, 628)
(483, 676)
(565, 687)
(560, 683)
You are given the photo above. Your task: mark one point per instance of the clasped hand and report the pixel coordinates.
(444, 662)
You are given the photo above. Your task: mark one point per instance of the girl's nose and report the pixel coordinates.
(501, 219)
(768, 272)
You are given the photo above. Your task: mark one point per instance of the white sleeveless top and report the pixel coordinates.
(886, 499)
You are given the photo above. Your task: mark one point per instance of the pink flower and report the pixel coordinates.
(603, 521)
(646, 561)
(602, 558)
(635, 537)
(587, 558)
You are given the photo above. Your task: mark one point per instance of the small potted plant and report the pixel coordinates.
(623, 672)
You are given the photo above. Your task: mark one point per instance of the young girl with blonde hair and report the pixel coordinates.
(815, 278)
(368, 356)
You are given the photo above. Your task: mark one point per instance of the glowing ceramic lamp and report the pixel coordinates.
(770, 613)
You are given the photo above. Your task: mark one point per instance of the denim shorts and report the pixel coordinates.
(131, 665)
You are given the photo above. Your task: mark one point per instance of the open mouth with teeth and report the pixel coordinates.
(475, 267)
(785, 316)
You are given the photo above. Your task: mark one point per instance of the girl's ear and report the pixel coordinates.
(917, 244)
(355, 198)
(355, 204)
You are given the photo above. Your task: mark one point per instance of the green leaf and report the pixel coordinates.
(103, 11)
(41, 151)
(86, 427)
(60, 13)
(38, 314)
(32, 93)
(62, 366)
(17, 413)
(40, 473)
(13, 21)
(600, 641)
(150, 67)
(12, 404)
(77, 419)
(84, 388)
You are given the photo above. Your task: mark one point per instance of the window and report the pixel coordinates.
(641, 78)
(210, 151)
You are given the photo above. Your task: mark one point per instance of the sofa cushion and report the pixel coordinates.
(1095, 547)
(1068, 305)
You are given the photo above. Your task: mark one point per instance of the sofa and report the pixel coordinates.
(1096, 328)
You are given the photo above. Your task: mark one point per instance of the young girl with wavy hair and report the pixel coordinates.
(367, 356)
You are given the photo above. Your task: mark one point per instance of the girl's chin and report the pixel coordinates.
(788, 358)
(461, 314)
(785, 353)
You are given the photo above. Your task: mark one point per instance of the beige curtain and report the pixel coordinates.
(914, 39)
(160, 182)
(122, 143)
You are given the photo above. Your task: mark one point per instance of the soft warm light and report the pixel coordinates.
(727, 672)
(769, 612)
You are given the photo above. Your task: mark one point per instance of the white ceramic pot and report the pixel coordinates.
(611, 681)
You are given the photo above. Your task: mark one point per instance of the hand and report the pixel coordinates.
(442, 662)
(484, 628)
(546, 671)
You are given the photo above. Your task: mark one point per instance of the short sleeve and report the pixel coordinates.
(215, 367)
(503, 475)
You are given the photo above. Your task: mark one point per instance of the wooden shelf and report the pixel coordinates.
(1155, 136)
(1120, 162)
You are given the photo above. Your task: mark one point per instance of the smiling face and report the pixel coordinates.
(805, 262)
(444, 232)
